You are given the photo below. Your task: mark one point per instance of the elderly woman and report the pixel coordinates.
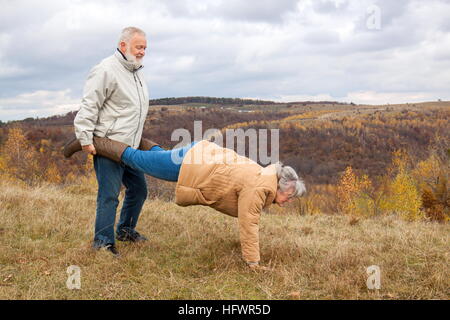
(209, 175)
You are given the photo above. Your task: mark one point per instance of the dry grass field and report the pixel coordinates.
(194, 253)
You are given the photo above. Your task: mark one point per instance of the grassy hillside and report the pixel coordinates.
(194, 253)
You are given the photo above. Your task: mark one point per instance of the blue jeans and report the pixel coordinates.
(157, 162)
(110, 176)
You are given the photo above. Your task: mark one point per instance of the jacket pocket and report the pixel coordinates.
(110, 128)
(202, 199)
(186, 196)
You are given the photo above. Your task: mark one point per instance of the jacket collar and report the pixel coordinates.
(127, 64)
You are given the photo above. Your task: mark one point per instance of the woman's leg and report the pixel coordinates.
(157, 162)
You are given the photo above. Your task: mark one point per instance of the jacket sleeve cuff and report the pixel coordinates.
(85, 139)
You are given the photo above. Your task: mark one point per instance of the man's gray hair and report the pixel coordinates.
(289, 180)
(128, 33)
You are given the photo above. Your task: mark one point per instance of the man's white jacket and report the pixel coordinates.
(115, 103)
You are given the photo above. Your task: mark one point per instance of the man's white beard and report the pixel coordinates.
(136, 62)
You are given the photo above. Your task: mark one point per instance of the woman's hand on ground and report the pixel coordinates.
(257, 267)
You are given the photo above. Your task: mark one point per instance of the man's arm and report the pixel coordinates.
(96, 91)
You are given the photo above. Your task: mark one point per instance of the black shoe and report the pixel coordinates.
(109, 247)
(112, 248)
(130, 235)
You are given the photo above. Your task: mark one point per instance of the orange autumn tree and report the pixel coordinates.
(52, 174)
(403, 197)
(352, 193)
(432, 176)
(20, 158)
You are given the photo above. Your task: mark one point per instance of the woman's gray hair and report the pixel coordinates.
(128, 33)
(289, 180)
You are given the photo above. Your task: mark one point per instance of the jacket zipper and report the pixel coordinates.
(140, 106)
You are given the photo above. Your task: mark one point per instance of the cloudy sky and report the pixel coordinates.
(364, 51)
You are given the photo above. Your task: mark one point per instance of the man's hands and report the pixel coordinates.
(90, 149)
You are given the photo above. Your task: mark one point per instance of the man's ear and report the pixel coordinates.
(122, 46)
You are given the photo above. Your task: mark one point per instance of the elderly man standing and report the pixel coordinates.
(115, 105)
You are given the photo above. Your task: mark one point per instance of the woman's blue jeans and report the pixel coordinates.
(157, 162)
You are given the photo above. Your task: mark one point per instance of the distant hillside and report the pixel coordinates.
(228, 101)
(319, 140)
(67, 119)
(208, 100)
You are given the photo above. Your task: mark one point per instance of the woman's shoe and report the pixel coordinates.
(103, 146)
(71, 147)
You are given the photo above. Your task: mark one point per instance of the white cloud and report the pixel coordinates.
(371, 97)
(40, 103)
(294, 98)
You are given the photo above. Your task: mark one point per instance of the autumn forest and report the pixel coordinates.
(357, 160)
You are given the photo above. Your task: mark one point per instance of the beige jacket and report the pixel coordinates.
(235, 185)
(115, 103)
